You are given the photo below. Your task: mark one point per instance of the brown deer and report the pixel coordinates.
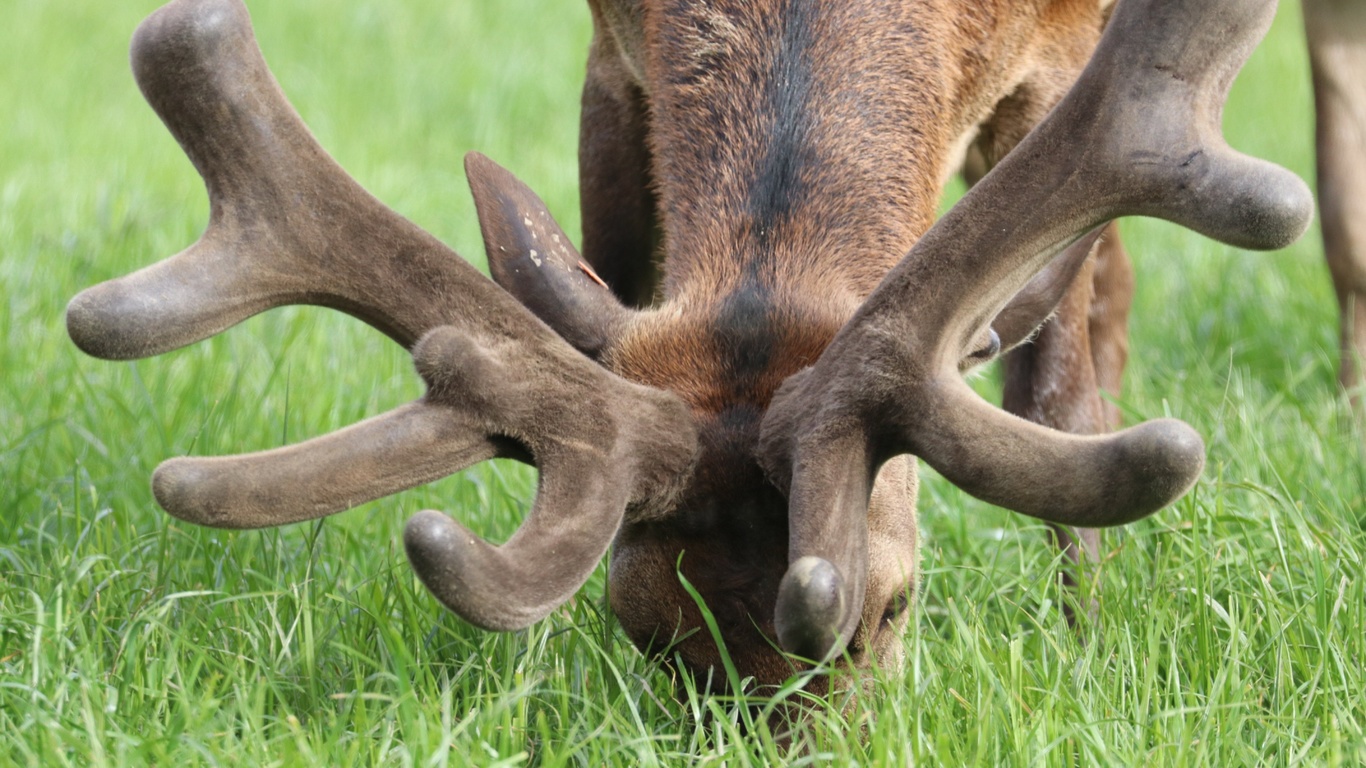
(1337, 55)
(755, 427)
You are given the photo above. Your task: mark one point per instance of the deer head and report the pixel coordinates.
(754, 427)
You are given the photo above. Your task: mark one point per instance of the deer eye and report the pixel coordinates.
(900, 602)
(986, 353)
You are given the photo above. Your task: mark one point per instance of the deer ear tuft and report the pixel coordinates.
(532, 258)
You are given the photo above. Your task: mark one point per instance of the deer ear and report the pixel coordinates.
(531, 258)
(1040, 297)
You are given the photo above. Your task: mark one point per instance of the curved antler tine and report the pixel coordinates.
(509, 587)
(579, 506)
(1156, 88)
(821, 595)
(404, 448)
(1090, 481)
(1138, 134)
(287, 224)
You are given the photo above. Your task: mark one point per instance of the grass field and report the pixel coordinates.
(1232, 627)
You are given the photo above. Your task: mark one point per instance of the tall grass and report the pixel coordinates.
(1231, 625)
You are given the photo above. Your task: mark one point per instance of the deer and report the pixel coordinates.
(1336, 32)
(766, 329)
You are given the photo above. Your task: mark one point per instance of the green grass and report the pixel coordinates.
(1231, 628)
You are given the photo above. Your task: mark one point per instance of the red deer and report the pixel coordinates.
(756, 426)
(1337, 55)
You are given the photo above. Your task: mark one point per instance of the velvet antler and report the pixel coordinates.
(288, 226)
(1137, 135)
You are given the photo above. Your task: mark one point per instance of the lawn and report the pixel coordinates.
(1232, 626)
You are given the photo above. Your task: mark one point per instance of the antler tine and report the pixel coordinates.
(287, 224)
(406, 447)
(1137, 135)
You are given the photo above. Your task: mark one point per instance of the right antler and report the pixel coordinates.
(1137, 135)
(288, 226)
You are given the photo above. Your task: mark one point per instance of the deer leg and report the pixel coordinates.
(1053, 381)
(617, 205)
(1112, 294)
(1337, 54)
(1056, 380)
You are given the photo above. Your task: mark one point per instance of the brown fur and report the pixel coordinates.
(1337, 55)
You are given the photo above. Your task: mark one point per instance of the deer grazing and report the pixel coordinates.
(748, 407)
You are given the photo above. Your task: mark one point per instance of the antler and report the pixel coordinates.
(1137, 135)
(289, 226)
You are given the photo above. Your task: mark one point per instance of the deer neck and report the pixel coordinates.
(801, 143)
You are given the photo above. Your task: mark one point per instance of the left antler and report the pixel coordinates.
(288, 226)
(1137, 135)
